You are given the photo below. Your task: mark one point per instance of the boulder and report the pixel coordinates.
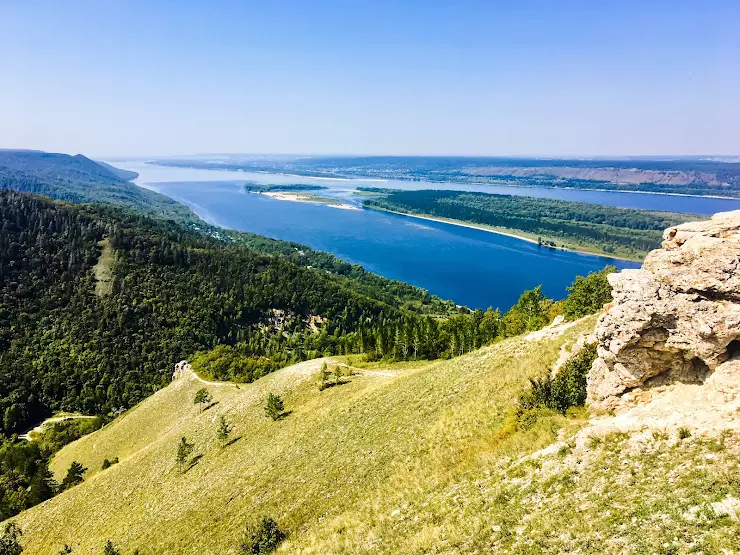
(677, 318)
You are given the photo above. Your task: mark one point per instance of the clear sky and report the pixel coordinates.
(512, 77)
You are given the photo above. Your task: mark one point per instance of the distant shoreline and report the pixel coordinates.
(499, 232)
(430, 181)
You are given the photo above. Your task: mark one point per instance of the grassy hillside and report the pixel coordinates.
(412, 458)
(79, 179)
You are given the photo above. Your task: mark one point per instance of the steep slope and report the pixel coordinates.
(390, 431)
(79, 179)
(414, 458)
(71, 342)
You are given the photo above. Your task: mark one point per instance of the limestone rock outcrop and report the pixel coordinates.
(677, 319)
(182, 368)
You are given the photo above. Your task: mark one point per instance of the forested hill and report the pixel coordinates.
(79, 179)
(66, 342)
(589, 227)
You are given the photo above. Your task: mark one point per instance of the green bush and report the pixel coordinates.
(567, 389)
(261, 538)
(108, 463)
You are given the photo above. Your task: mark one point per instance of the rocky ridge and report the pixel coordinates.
(674, 329)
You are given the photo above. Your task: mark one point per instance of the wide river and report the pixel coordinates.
(473, 267)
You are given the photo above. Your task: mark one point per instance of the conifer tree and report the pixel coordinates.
(274, 406)
(323, 377)
(74, 475)
(223, 431)
(184, 449)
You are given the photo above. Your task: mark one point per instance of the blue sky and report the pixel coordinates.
(416, 77)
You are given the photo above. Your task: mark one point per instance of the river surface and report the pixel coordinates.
(473, 267)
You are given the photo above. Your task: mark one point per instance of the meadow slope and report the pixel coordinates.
(407, 458)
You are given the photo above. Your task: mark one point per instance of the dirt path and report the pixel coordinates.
(53, 420)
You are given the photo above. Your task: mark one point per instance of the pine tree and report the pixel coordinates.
(337, 374)
(184, 449)
(223, 431)
(74, 475)
(202, 397)
(274, 406)
(323, 377)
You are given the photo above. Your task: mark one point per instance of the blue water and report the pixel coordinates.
(473, 267)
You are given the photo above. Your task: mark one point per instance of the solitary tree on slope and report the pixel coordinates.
(274, 407)
(223, 431)
(74, 475)
(184, 449)
(202, 397)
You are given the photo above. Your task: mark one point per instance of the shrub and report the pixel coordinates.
(108, 463)
(229, 364)
(59, 434)
(274, 406)
(110, 549)
(261, 538)
(569, 384)
(567, 389)
(684, 433)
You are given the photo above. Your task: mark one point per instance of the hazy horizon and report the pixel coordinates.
(572, 80)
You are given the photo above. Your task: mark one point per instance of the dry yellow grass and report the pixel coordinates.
(405, 459)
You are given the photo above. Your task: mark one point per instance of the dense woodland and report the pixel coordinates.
(393, 292)
(613, 230)
(174, 292)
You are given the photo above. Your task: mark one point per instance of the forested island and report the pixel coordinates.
(592, 228)
(259, 188)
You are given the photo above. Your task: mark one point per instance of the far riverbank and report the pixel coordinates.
(522, 236)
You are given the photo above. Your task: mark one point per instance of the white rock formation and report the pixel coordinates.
(676, 320)
(182, 368)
